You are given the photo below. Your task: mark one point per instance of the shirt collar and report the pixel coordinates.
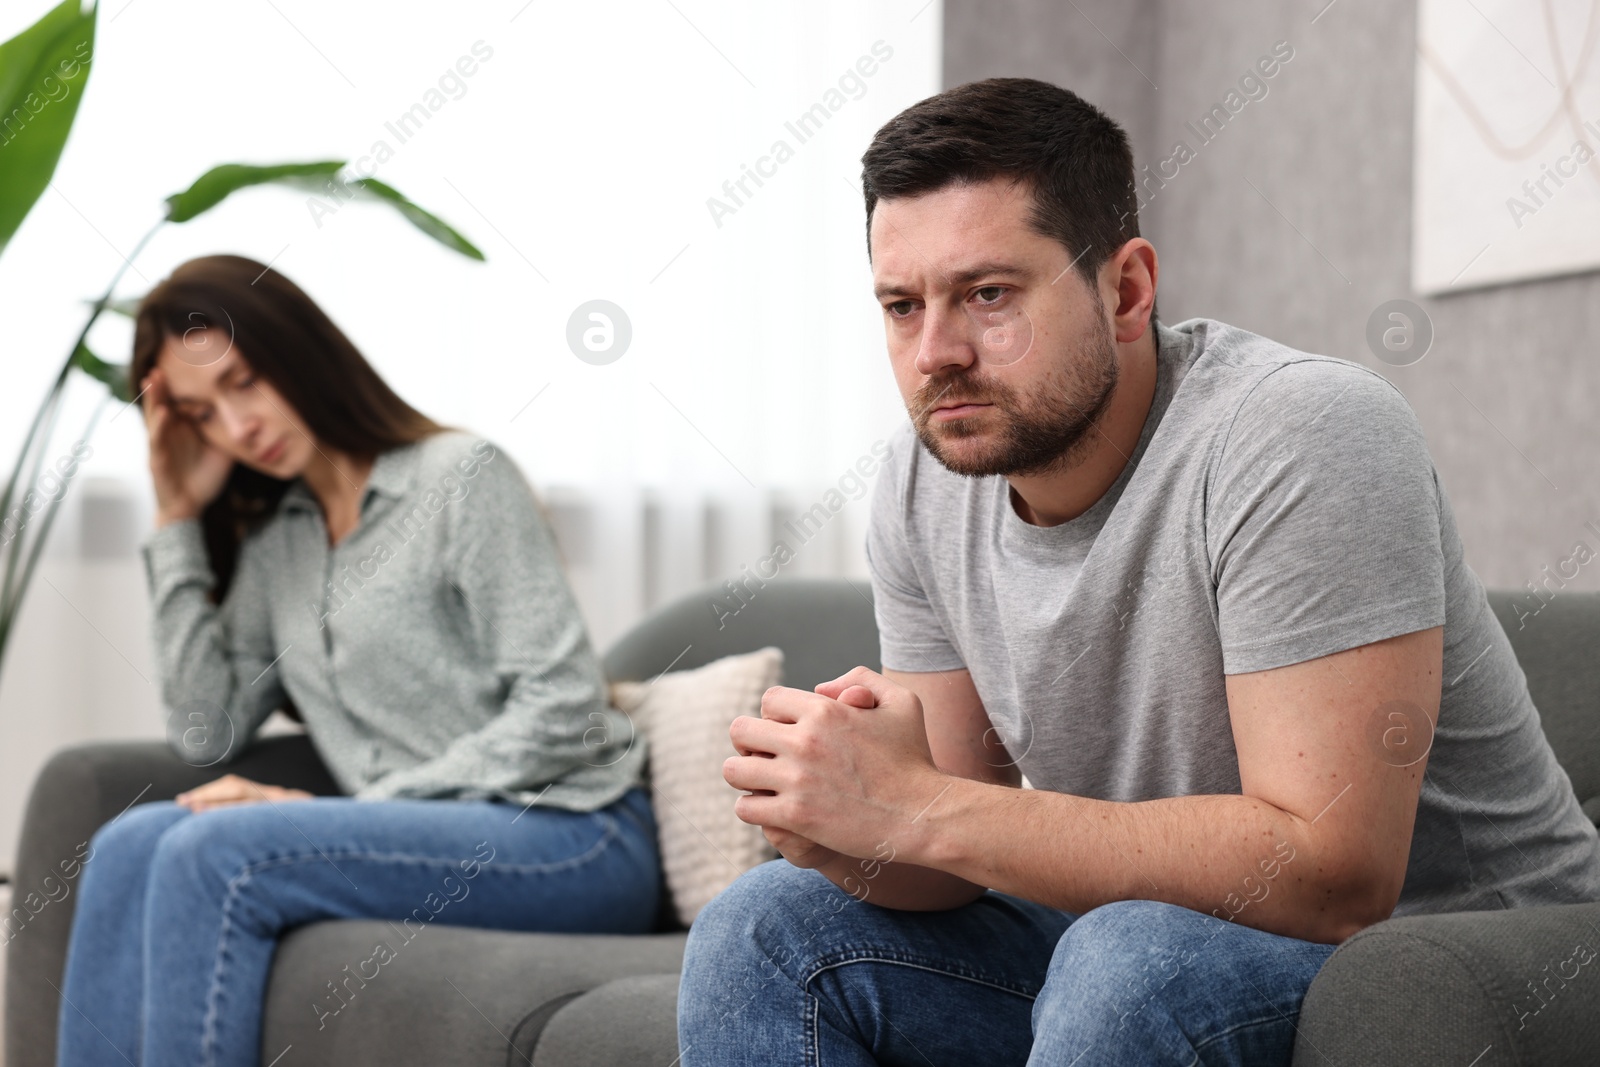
(391, 476)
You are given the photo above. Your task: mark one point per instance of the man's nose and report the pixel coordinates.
(946, 342)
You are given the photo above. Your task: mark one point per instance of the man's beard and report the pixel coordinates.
(1036, 439)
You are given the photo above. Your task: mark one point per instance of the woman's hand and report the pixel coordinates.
(188, 472)
(232, 789)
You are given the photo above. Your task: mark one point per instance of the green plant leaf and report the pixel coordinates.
(218, 183)
(127, 306)
(424, 220)
(319, 178)
(43, 72)
(114, 375)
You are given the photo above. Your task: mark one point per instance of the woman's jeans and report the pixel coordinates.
(179, 913)
(786, 962)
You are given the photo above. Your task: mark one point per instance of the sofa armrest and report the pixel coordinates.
(1481, 988)
(79, 790)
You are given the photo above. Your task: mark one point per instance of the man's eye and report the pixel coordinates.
(200, 416)
(900, 308)
(997, 290)
(247, 381)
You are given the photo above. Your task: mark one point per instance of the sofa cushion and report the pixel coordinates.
(454, 994)
(584, 1032)
(684, 716)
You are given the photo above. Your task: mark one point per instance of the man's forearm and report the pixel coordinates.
(1235, 857)
(885, 880)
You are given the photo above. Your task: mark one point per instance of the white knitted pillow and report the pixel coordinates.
(684, 717)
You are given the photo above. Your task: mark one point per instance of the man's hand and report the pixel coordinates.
(801, 851)
(841, 769)
(232, 789)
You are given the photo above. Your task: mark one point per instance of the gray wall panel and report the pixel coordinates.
(1507, 394)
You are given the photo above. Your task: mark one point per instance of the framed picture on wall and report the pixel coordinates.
(1506, 177)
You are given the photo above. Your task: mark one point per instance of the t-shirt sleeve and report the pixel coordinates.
(1322, 519)
(910, 634)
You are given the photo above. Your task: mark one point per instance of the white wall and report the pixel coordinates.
(580, 158)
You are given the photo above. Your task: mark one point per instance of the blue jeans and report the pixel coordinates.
(786, 962)
(178, 913)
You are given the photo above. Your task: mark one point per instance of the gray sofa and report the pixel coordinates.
(1447, 989)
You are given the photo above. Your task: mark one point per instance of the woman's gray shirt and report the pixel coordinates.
(436, 651)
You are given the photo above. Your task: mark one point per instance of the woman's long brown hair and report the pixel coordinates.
(288, 340)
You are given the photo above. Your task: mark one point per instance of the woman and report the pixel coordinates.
(321, 543)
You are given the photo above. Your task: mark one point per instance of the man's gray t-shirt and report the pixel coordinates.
(1279, 506)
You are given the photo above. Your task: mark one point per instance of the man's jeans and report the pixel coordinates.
(786, 968)
(178, 913)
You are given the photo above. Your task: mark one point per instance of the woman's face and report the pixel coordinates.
(210, 384)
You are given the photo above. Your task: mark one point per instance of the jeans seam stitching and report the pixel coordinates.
(1236, 1027)
(599, 846)
(209, 1020)
(813, 1053)
(826, 963)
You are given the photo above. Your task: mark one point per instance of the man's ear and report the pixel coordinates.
(1129, 278)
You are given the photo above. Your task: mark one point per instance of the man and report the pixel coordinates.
(1204, 590)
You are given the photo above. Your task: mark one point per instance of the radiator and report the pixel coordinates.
(628, 551)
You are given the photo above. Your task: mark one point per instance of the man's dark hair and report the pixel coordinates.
(1076, 159)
